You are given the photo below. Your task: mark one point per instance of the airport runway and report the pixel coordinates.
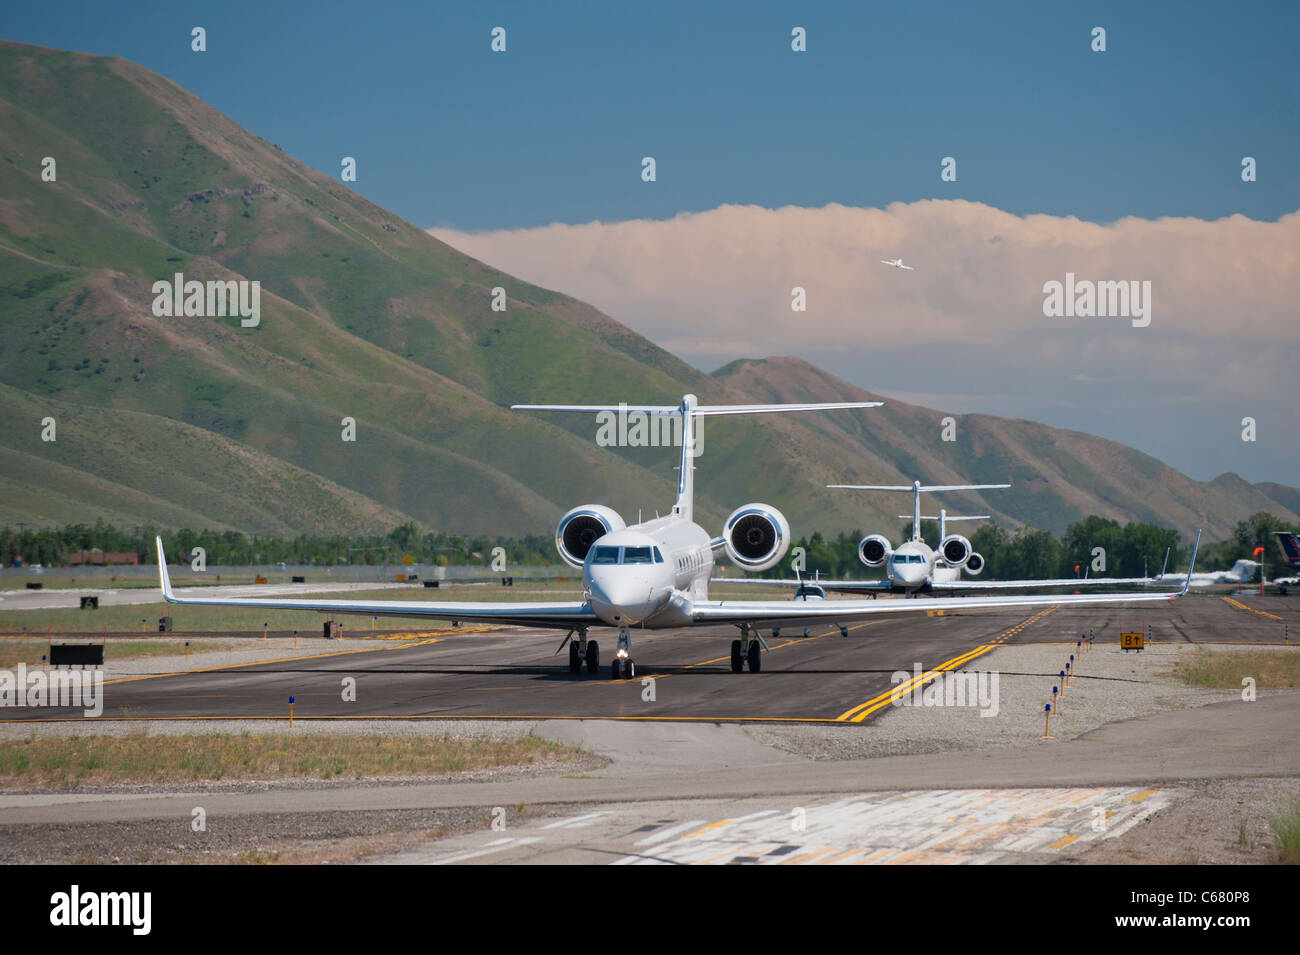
(687, 781)
(681, 675)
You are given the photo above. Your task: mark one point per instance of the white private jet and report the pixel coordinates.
(913, 567)
(1241, 572)
(897, 264)
(654, 575)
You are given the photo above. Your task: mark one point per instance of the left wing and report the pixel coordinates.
(559, 616)
(838, 586)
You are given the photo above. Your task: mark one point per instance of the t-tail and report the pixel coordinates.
(689, 411)
(1290, 545)
(917, 489)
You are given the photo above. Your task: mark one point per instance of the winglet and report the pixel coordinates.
(164, 581)
(1191, 565)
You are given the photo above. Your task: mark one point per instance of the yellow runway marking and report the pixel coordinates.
(1241, 606)
(863, 710)
(1143, 794)
(1062, 842)
(452, 716)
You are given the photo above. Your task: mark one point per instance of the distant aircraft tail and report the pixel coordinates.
(944, 517)
(917, 489)
(1290, 545)
(1243, 570)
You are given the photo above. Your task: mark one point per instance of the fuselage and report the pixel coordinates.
(649, 574)
(1242, 572)
(914, 564)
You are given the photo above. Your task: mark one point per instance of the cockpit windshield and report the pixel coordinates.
(605, 555)
(637, 555)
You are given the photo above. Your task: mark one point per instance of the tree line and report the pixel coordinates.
(1129, 550)
(1135, 549)
(55, 546)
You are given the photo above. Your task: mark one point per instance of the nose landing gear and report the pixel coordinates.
(623, 667)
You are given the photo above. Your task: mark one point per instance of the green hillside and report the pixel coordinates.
(201, 422)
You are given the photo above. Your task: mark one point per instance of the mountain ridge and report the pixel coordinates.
(365, 316)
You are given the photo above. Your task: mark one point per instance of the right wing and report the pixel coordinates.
(843, 612)
(558, 616)
(951, 585)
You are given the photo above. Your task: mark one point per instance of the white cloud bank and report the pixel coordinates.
(716, 285)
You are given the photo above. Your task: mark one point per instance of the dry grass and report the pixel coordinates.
(1225, 669)
(68, 763)
(1286, 831)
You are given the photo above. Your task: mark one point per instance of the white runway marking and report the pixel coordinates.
(940, 826)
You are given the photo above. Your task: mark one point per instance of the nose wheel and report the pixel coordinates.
(623, 668)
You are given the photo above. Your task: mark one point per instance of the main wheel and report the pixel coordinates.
(575, 658)
(737, 661)
(593, 656)
(755, 661)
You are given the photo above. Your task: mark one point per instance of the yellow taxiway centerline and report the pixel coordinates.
(863, 710)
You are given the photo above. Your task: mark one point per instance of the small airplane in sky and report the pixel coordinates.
(897, 264)
(654, 575)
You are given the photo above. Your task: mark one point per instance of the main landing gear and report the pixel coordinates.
(623, 667)
(746, 649)
(584, 650)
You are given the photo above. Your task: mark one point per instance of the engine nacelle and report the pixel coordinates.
(756, 536)
(956, 550)
(874, 550)
(582, 527)
(974, 564)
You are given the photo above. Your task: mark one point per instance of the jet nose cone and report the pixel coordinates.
(623, 598)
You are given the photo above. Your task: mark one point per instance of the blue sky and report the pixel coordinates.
(449, 134)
